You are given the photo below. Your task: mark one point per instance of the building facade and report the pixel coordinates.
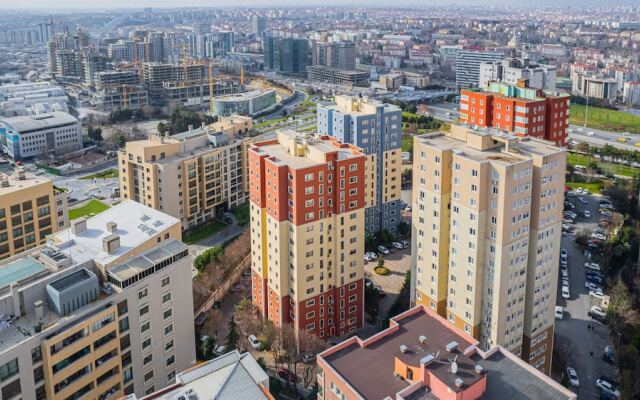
(104, 309)
(511, 71)
(631, 93)
(521, 110)
(468, 66)
(307, 200)
(246, 103)
(335, 76)
(487, 214)
(375, 128)
(194, 176)
(286, 55)
(30, 209)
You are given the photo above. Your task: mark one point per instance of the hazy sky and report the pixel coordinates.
(48, 4)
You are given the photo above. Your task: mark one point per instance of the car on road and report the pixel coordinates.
(592, 266)
(565, 292)
(591, 286)
(608, 386)
(255, 343)
(398, 245)
(597, 313)
(383, 250)
(559, 312)
(605, 212)
(573, 377)
(585, 213)
(563, 254)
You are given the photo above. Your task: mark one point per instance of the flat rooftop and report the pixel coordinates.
(147, 260)
(15, 184)
(30, 123)
(21, 269)
(370, 369)
(136, 223)
(71, 280)
(244, 95)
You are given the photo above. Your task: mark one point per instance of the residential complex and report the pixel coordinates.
(487, 215)
(519, 109)
(631, 93)
(374, 127)
(307, 232)
(30, 209)
(513, 70)
(420, 356)
(104, 309)
(193, 176)
(34, 136)
(229, 377)
(468, 66)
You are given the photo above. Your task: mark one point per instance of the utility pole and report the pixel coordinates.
(586, 111)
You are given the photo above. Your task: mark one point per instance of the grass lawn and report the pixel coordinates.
(592, 187)
(616, 169)
(93, 207)
(605, 119)
(110, 173)
(202, 232)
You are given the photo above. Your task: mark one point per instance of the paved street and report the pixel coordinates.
(574, 325)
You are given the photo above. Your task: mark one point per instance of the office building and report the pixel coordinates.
(336, 76)
(631, 93)
(599, 87)
(286, 55)
(226, 41)
(518, 109)
(307, 197)
(397, 79)
(30, 209)
(374, 127)
(193, 176)
(102, 310)
(420, 356)
(231, 376)
(258, 25)
(22, 99)
(340, 55)
(513, 70)
(487, 215)
(40, 135)
(249, 103)
(468, 66)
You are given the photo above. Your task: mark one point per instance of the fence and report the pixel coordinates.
(225, 286)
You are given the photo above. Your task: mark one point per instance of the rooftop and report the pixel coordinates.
(14, 183)
(147, 260)
(24, 124)
(245, 95)
(21, 269)
(136, 224)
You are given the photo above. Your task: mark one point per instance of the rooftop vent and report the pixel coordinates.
(404, 348)
(20, 174)
(112, 227)
(111, 243)
(479, 369)
(78, 225)
(452, 346)
(426, 360)
(422, 339)
(4, 182)
(459, 382)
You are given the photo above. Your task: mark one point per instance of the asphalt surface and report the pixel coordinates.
(587, 345)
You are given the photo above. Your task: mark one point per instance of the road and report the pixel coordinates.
(574, 325)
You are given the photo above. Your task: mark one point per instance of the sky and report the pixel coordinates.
(84, 4)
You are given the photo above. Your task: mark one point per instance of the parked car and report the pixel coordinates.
(565, 292)
(608, 386)
(559, 312)
(567, 220)
(372, 255)
(573, 377)
(565, 282)
(582, 200)
(580, 190)
(606, 213)
(216, 304)
(287, 375)
(597, 294)
(597, 313)
(383, 250)
(591, 286)
(368, 282)
(592, 266)
(367, 257)
(570, 214)
(398, 245)
(563, 254)
(598, 236)
(255, 343)
(308, 358)
(594, 279)
(564, 273)
(405, 243)
(586, 213)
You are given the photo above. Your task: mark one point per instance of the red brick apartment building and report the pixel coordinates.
(307, 232)
(519, 109)
(422, 357)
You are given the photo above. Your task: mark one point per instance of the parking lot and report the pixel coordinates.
(587, 345)
(398, 263)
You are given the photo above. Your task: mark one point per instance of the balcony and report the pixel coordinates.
(104, 340)
(61, 365)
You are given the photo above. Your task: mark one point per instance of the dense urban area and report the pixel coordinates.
(328, 203)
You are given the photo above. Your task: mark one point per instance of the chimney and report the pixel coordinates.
(39, 308)
(479, 369)
(19, 174)
(4, 181)
(451, 347)
(403, 348)
(111, 243)
(422, 339)
(78, 225)
(459, 382)
(112, 227)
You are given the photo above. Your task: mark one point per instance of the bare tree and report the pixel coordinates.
(620, 311)
(563, 351)
(248, 321)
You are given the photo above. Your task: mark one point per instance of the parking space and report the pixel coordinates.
(398, 262)
(587, 336)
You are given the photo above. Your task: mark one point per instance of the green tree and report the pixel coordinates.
(121, 140)
(242, 214)
(582, 147)
(208, 346)
(380, 262)
(162, 128)
(232, 337)
(94, 134)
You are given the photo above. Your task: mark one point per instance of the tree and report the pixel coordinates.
(582, 147)
(94, 134)
(563, 351)
(248, 322)
(380, 262)
(162, 128)
(208, 346)
(620, 312)
(242, 214)
(284, 112)
(232, 337)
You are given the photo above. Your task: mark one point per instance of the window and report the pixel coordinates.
(9, 369)
(169, 345)
(148, 376)
(146, 343)
(171, 360)
(145, 327)
(168, 329)
(144, 310)
(167, 313)
(166, 297)
(165, 281)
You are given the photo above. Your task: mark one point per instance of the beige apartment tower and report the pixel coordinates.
(193, 176)
(487, 214)
(30, 209)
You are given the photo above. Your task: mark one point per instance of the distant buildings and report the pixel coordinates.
(194, 176)
(487, 215)
(599, 87)
(421, 356)
(307, 197)
(32, 98)
(40, 135)
(340, 55)
(631, 93)
(519, 109)
(512, 71)
(355, 77)
(246, 103)
(397, 79)
(30, 209)
(258, 25)
(468, 66)
(376, 129)
(286, 55)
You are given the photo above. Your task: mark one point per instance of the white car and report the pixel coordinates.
(383, 250)
(570, 214)
(592, 266)
(563, 254)
(580, 190)
(598, 236)
(367, 257)
(573, 377)
(565, 292)
(597, 294)
(219, 350)
(255, 343)
(592, 286)
(559, 312)
(597, 313)
(564, 273)
(398, 245)
(607, 386)
(583, 201)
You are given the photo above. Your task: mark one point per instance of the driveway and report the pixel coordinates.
(574, 325)
(398, 263)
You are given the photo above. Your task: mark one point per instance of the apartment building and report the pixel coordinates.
(307, 232)
(513, 70)
(194, 176)
(376, 128)
(468, 66)
(487, 214)
(30, 209)
(421, 356)
(102, 310)
(519, 109)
